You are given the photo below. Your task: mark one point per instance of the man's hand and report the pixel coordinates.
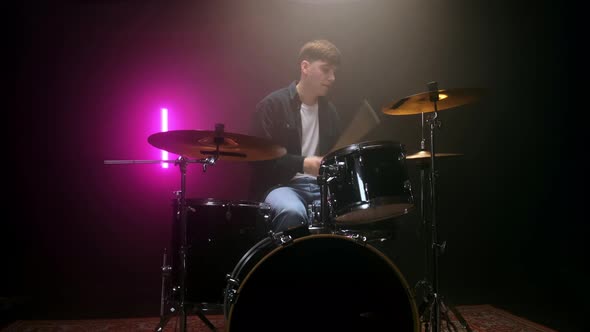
(311, 165)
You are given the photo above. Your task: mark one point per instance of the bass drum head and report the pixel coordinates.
(321, 282)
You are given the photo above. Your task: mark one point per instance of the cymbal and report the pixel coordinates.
(201, 144)
(425, 155)
(420, 103)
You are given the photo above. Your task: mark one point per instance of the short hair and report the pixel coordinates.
(320, 49)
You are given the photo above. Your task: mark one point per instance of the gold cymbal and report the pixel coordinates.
(420, 103)
(202, 144)
(423, 155)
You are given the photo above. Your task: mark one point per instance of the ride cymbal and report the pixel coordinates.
(420, 103)
(424, 155)
(204, 143)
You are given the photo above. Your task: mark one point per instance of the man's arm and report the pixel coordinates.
(268, 122)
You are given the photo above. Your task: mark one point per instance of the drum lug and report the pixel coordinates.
(231, 295)
(332, 171)
(408, 189)
(233, 282)
(359, 238)
(281, 239)
(232, 285)
(284, 240)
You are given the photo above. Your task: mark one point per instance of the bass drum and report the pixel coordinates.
(319, 282)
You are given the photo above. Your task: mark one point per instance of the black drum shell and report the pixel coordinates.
(318, 282)
(219, 233)
(368, 182)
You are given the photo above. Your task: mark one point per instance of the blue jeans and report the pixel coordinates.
(289, 203)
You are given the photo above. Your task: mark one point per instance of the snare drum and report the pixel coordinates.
(368, 182)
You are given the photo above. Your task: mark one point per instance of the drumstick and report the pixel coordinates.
(362, 123)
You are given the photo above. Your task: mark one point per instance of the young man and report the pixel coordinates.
(300, 118)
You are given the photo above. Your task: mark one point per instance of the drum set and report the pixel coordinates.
(326, 275)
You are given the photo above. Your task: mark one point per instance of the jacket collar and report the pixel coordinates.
(294, 95)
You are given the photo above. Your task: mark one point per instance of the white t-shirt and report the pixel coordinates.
(310, 132)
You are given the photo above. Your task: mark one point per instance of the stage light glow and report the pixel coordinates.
(164, 121)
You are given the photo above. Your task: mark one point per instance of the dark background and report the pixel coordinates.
(85, 81)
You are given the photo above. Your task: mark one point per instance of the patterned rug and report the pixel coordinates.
(486, 318)
(479, 318)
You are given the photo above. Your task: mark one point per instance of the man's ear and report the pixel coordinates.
(304, 66)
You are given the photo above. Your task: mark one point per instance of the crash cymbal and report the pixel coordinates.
(424, 155)
(420, 103)
(201, 144)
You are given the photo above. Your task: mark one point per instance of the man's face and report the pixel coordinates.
(319, 76)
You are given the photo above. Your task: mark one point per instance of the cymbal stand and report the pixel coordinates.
(182, 163)
(437, 309)
(423, 231)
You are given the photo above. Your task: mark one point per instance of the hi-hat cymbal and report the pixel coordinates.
(420, 103)
(202, 144)
(424, 155)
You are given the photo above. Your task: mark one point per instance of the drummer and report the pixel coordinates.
(301, 118)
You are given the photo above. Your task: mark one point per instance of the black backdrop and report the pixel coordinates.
(87, 78)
